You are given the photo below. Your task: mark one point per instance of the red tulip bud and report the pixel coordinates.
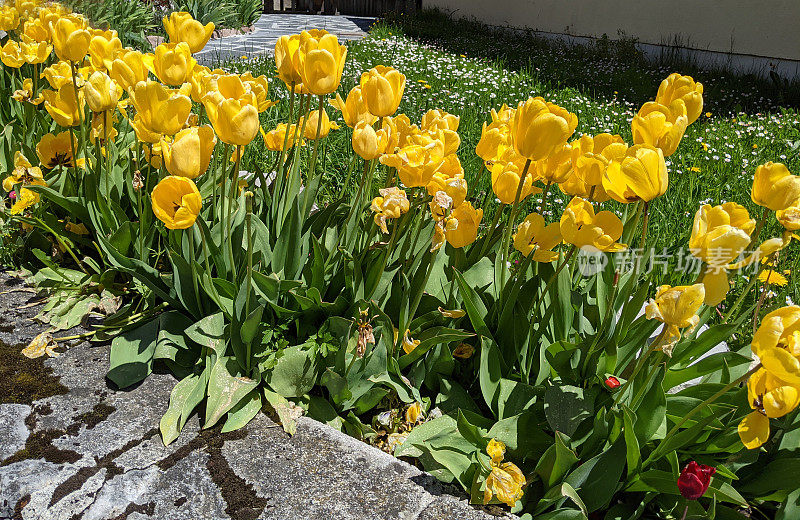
(694, 480)
(612, 382)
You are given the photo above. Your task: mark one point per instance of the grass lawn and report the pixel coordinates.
(467, 68)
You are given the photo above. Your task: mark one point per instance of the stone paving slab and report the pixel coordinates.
(270, 27)
(94, 453)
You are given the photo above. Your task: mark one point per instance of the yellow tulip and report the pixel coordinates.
(505, 480)
(382, 88)
(324, 127)
(416, 162)
(130, 67)
(55, 150)
(9, 18)
(173, 63)
(321, 61)
(35, 52)
(354, 109)
(533, 236)
(455, 187)
(684, 88)
(274, 139)
(790, 217)
(581, 227)
(776, 344)
(592, 155)
(540, 128)
(70, 38)
(176, 202)
(259, 87)
(103, 48)
(11, 55)
(287, 59)
(451, 167)
(506, 179)
(143, 133)
(660, 125)
(495, 140)
(369, 143)
(556, 167)
(754, 430)
(102, 93)
(99, 131)
(25, 94)
(63, 106)
(463, 224)
(60, 74)
(771, 395)
(640, 175)
(35, 29)
(390, 204)
(189, 153)
(676, 308)
(181, 27)
(234, 122)
(774, 187)
(159, 109)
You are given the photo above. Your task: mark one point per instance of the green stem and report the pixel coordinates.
(742, 296)
(553, 278)
(487, 238)
(546, 192)
(640, 363)
(249, 217)
(313, 166)
(759, 227)
(510, 224)
(108, 156)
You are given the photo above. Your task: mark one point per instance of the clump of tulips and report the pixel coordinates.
(395, 311)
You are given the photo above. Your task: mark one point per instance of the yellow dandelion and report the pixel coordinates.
(694, 169)
(708, 114)
(705, 147)
(772, 278)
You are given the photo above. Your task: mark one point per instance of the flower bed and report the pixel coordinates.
(528, 356)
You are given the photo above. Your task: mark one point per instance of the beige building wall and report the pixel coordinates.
(764, 28)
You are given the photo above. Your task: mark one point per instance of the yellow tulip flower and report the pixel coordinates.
(390, 204)
(25, 94)
(60, 74)
(325, 127)
(754, 430)
(274, 139)
(684, 88)
(533, 236)
(777, 343)
(63, 106)
(99, 121)
(660, 125)
(354, 109)
(506, 179)
(505, 481)
(592, 155)
(130, 67)
(23, 173)
(370, 144)
(494, 142)
(640, 175)
(455, 187)
(173, 63)
(556, 167)
(189, 153)
(321, 61)
(462, 226)
(719, 235)
(234, 122)
(382, 88)
(287, 59)
(70, 38)
(176, 202)
(416, 162)
(9, 18)
(581, 227)
(35, 52)
(11, 55)
(540, 128)
(153, 154)
(181, 27)
(676, 308)
(771, 395)
(55, 150)
(260, 88)
(36, 30)
(451, 167)
(774, 187)
(102, 93)
(103, 48)
(159, 109)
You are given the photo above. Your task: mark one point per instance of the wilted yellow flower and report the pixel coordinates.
(660, 125)
(409, 344)
(189, 153)
(774, 187)
(581, 227)
(23, 173)
(176, 202)
(534, 236)
(414, 413)
(641, 174)
(103, 48)
(313, 121)
(63, 106)
(505, 481)
(354, 110)
(382, 89)
(56, 150)
(102, 93)
(321, 61)
(11, 55)
(416, 162)
(462, 225)
(159, 109)
(455, 187)
(676, 308)
(684, 88)
(35, 52)
(506, 179)
(70, 38)
(173, 63)
(25, 199)
(540, 128)
(42, 344)
(287, 59)
(463, 351)
(25, 94)
(390, 204)
(181, 27)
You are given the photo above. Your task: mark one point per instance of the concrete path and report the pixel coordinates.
(270, 27)
(91, 452)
